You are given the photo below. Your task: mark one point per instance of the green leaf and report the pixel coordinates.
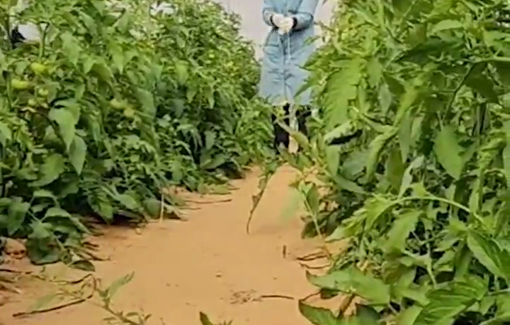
(407, 178)
(83, 265)
(341, 87)
(45, 194)
(332, 159)
(210, 138)
(318, 316)
(100, 68)
(215, 162)
(40, 230)
(128, 201)
(449, 302)
(498, 320)
(56, 212)
(338, 131)
(405, 136)
(408, 316)
(506, 152)
(401, 228)
(406, 102)
(181, 71)
(366, 315)
(50, 171)
(449, 152)
(446, 24)
(66, 124)
(344, 184)
(376, 147)
(370, 288)
(374, 69)
(503, 215)
(70, 47)
(147, 101)
(385, 98)
(503, 303)
(482, 84)
(336, 280)
(490, 254)
(375, 208)
(5, 133)
(117, 58)
(366, 286)
(77, 154)
(204, 319)
(44, 302)
(72, 106)
(16, 215)
(395, 169)
(115, 286)
(313, 200)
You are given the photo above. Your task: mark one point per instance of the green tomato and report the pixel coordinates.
(32, 102)
(43, 92)
(117, 104)
(38, 68)
(19, 84)
(129, 112)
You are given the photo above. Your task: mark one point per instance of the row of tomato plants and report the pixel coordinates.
(114, 104)
(412, 153)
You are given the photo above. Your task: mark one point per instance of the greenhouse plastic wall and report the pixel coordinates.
(254, 28)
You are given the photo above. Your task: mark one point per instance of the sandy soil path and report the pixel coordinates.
(207, 263)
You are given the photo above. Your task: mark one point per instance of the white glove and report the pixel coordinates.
(277, 19)
(286, 25)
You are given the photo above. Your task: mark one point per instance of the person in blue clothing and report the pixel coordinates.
(286, 50)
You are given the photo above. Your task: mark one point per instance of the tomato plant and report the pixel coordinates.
(412, 144)
(111, 106)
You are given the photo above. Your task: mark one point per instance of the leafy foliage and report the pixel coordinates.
(412, 144)
(112, 106)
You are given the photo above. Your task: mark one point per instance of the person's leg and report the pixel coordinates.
(281, 137)
(302, 118)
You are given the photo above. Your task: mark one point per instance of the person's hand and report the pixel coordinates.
(278, 19)
(286, 25)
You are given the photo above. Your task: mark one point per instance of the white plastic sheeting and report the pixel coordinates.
(252, 26)
(29, 31)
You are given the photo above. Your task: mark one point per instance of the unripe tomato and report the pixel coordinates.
(19, 84)
(38, 68)
(129, 112)
(32, 102)
(42, 92)
(117, 104)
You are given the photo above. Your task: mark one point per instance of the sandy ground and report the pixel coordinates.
(207, 263)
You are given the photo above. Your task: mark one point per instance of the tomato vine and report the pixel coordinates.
(412, 143)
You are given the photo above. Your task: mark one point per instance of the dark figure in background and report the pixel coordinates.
(286, 50)
(16, 38)
(281, 137)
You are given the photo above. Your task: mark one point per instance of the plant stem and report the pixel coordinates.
(457, 89)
